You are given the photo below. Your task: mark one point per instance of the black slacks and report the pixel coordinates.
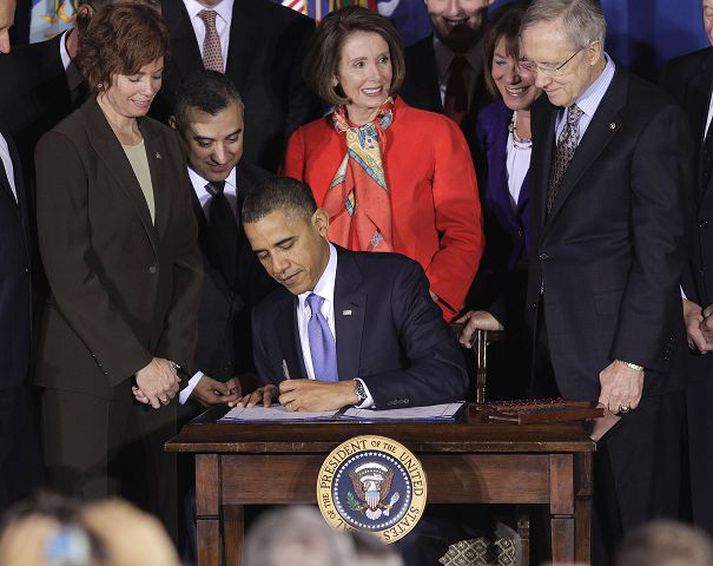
(97, 447)
(637, 465)
(20, 462)
(699, 421)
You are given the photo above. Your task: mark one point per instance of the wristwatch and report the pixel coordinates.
(360, 392)
(635, 367)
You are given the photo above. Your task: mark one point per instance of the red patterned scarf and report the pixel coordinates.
(358, 201)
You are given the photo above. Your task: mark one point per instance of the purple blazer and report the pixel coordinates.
(507, 229)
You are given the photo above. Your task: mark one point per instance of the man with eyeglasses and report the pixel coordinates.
(609, 187)
(688, 79)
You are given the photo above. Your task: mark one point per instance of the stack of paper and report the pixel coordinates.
(273, 413)
(444, 412)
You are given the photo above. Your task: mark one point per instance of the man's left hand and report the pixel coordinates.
(311, 395)
(621, 387)
(209, 391)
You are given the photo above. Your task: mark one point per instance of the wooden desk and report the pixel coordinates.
(465, 462)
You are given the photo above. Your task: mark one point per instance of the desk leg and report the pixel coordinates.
(208, 509)
(562, 512)
(583, 529)
(233, 534)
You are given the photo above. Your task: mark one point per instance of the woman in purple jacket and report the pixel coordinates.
(503, 132)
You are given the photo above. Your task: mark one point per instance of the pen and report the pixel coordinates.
(285, 370)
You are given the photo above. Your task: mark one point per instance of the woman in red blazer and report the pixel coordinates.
(391, 177)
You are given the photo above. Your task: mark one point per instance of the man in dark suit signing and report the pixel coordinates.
(688, 79)
(209, 118)
(346, 328)
(259, 45)
(609, 193)
(19, 461)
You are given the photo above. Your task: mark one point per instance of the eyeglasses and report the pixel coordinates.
(547, 70)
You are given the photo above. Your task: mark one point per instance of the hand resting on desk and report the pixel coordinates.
(303, 395)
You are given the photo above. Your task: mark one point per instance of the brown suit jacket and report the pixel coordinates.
(122, 289)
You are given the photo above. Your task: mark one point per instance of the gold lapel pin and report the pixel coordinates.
(612, 126)
(347, 313)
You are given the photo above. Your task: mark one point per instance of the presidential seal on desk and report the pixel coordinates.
(372, 483)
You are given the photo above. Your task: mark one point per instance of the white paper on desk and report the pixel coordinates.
(446, 411)
(272, 413)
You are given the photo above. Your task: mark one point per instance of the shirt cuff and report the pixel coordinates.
(367, 403)
(188, 389)
(683, 295)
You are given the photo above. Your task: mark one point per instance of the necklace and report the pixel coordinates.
(518, 142)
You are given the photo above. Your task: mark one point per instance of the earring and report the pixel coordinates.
(100, 86)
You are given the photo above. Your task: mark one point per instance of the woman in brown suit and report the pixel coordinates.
(118, 243)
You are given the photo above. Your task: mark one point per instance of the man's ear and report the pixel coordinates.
(320, 220)
(172, 121)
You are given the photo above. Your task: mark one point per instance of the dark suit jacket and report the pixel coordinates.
(34, 95)
(224, 339)
(688, 79)
(122, 289)
(389, 333)
(15, 267)
(420, 89)
(609, 255)
(265, 53)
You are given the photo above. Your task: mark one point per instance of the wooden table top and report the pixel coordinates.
(466, 434)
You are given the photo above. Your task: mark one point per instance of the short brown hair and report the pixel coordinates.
(504, 24)
(120, 39)
(325, 52)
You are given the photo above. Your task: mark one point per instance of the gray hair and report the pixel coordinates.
(665, 543)
(296, 536)
(582, 20)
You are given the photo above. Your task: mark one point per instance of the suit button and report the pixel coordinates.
(27, 270)
(153, 269)
(702, 224)
(519, 233)
(701, 272)
(544, 256)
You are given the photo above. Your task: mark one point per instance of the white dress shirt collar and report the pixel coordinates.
(592, 96)
(7, 163)
(589, 100)
(325, 289)
(224, 9)
(325, 286)
(63, 51)
(230, 191)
